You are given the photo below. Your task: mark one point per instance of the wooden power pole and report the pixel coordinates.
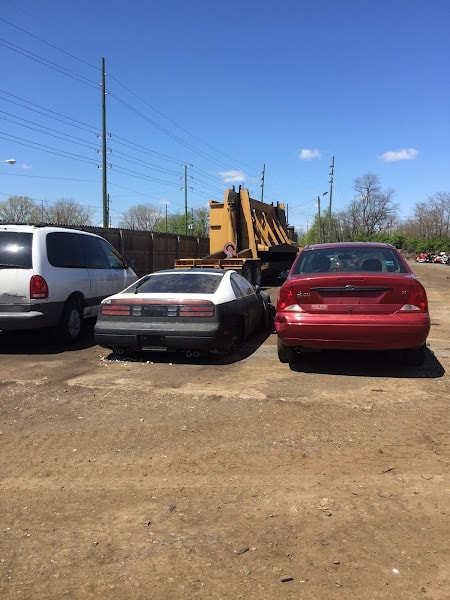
(104, 177)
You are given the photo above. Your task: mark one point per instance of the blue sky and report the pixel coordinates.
(224, 88)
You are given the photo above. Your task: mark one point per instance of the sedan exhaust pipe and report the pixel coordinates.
(192, 354)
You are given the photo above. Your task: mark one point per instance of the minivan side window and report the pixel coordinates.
(114, 259)
(64, 249)
(96, 257)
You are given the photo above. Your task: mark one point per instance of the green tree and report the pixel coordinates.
(197, 223)
(201, 222)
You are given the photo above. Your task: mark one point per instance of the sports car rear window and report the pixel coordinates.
(15, 249)
(180, 283)
(350, 260)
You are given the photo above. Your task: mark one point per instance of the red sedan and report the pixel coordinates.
(352, 296)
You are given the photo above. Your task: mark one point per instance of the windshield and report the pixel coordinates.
(349, 260)
(15, 249)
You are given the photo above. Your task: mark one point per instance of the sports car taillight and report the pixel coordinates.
(140, 307)
(38, 288)
(115, 310)
(417, 300)
(199, 308)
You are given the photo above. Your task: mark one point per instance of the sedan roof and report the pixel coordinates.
(347, 245)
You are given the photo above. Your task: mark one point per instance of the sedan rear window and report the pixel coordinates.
(180, 283)
(349, 260)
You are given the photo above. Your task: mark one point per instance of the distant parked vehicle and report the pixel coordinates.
(442, 258)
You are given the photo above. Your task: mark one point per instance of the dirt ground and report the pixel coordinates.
(158, 478)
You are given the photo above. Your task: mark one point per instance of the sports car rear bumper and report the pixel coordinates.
(162, 337)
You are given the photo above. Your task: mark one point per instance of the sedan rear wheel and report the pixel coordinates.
(286, 354)
(415, 357)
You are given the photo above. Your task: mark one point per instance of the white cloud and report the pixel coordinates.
(403, 154)
(306, 154)
(232, 176)
(26, 167)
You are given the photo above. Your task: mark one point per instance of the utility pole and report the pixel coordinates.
(320, 226)
(185, 202)
(331, 198)
(105, 186)
(186, 199)
(320, 221)
(262, 182)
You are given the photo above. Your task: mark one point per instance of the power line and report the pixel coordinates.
(46, 130)
(174, 123)
(47, 43)
(117, 142)
(47, 149)
(43, 61)
(48, 113)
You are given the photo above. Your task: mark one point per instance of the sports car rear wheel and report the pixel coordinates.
(286, 354)
(267, 317)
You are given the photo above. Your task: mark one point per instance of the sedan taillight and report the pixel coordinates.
(38, 288)
(417, 300)
(287, 299)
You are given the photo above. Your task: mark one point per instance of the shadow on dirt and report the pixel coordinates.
(180, 358)
(366, 364)
(43, 341)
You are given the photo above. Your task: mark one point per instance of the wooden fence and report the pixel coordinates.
(146, 251)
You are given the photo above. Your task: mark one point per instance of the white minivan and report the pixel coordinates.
(55, 277)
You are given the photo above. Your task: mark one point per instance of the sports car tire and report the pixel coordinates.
(268, 316)
(256, 275)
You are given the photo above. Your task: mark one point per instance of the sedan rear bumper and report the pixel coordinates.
(394, 332)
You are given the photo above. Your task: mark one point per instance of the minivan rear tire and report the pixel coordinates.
(69, 327)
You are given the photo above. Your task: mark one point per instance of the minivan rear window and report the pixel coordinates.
(15, 249)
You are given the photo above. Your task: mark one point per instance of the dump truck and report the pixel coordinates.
(248, 236)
